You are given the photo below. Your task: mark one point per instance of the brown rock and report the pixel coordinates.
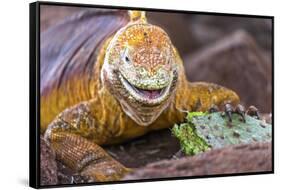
(255, 157)
(238, 63)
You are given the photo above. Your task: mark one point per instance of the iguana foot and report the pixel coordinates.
(229, 109)
(239, 109)
(105, 171)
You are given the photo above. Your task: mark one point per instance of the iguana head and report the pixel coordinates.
(140, 70)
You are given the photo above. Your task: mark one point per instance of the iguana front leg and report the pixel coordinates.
(212, 97)
(74, 136)
(203, 96)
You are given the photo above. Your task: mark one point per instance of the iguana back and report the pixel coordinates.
(68, 55)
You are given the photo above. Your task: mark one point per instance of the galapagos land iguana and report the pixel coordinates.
(111, 87)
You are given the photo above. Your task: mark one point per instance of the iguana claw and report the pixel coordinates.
(239, 109)
(253, 111)
(228, 111)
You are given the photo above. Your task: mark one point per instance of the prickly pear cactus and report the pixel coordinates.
(203, 131)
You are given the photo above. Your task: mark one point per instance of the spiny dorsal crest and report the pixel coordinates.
(137, 16)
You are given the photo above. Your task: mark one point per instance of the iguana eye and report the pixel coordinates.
(127, 59)
(125, 56)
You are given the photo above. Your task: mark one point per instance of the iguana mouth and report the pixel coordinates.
(151, 94)
(145, 95)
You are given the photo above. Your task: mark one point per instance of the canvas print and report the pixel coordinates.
(139, 94)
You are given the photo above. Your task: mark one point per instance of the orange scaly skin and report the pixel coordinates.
(111, 111)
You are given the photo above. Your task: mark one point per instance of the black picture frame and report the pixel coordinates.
(34, 92)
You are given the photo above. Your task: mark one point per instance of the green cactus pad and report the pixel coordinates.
(203, 131)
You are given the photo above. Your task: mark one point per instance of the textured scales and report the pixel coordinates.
(107, 83)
